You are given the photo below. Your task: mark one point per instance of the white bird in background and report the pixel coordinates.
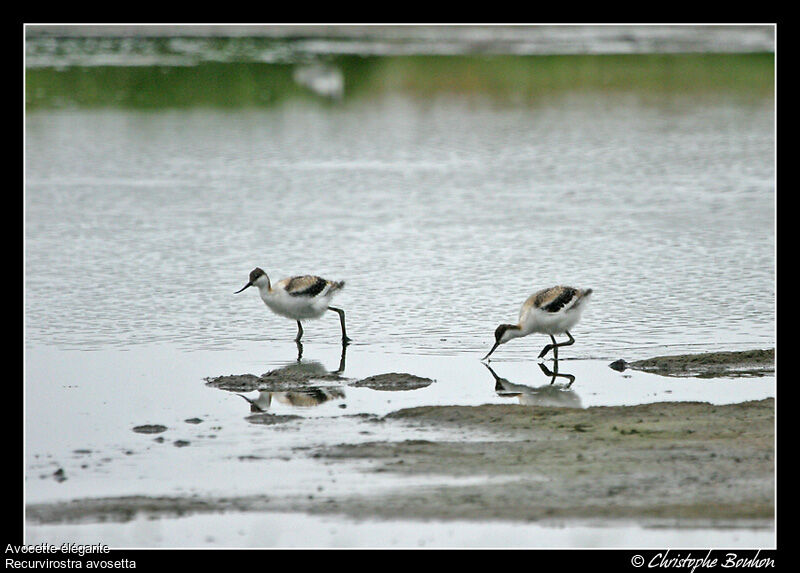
(300, 298)
(550, 311)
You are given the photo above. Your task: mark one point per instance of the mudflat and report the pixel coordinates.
(678, 460)
(686, 462)
(708, 364)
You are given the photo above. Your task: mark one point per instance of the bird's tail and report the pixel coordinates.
(585, 294)
(336, 285)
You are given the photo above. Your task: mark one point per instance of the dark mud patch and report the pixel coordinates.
(120, 509)
(150, 429)
(290, 377)
(393, 382)
(264, 419)
(707, 365)
(235, 382)
(679, 460)
(302, 378)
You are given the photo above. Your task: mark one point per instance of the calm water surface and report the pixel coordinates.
(442, 216)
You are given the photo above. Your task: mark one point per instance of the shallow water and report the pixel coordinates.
(295, 530)
(83, 408)
(442, 207)
(442, 217)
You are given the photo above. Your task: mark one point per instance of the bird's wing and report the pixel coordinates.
(312, 396)
(553, 299)
(306, 285)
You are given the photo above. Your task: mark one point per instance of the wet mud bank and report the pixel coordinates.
(126, 508)
(302, 375)
(687, 462)
(706, 365)
(675, 463)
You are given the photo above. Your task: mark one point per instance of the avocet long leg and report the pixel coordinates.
(340, 312)
(556, 345)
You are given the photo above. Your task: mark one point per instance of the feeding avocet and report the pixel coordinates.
(553, 310)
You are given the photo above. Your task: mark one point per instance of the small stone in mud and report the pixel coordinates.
(393, 381)
(59, 475)
(193, 421)
(159, 439)
(618, 365)
(181, 443)
(149, 429)
(81, 451)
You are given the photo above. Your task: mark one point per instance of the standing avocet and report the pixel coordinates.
(299, 298)
(549, 311)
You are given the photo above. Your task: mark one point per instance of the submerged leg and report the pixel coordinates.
(299, 332)
(556, 345)
(340, 312)
(342, 359)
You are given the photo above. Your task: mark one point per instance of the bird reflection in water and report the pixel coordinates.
(342, 358)
(554, 374)
(547, 395)
(307, 397)
(298, 374)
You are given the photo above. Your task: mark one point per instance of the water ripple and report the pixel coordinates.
(442, 217)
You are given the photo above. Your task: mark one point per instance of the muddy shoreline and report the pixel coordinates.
(685, 462)
(682, 463)
(706, 365)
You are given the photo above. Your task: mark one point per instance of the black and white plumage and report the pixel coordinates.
(307, 397)
(553, 310)
(300, 298)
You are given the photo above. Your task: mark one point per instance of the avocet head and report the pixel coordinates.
(257, 278)
(502, 334)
